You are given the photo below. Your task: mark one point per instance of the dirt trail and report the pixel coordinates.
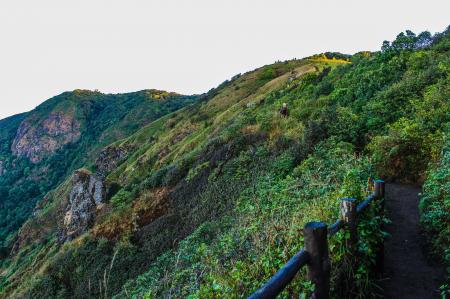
(408, 271)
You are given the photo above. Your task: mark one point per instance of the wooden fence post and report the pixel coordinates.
(349, 217)
(379, 189)
(379, 192)
(316, 244)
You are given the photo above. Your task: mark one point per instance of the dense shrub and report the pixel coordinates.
(403, 153)
(232, 255)
(435, 204)
(121, 198)
(268, 74)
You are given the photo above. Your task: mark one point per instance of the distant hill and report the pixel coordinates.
(156, 195)
(41, 147)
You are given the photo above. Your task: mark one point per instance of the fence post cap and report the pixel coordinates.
(349, 199)
(315, 225)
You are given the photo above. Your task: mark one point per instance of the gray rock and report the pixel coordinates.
(37, 139)
(86, 197)
(109, 158)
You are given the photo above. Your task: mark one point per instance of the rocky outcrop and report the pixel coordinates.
(85, 199)
(37, 141)
(109, 159)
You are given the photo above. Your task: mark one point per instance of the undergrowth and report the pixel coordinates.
(232, 256)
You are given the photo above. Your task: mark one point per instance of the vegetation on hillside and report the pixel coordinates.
(103, 118)
(435, 208)
(211, 199)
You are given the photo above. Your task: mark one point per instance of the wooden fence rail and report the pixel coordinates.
(315, 253)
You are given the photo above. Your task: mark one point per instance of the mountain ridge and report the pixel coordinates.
(65, 132)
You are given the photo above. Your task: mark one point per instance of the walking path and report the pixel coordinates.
(408, 271)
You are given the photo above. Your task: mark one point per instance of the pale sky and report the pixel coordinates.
(51, 46)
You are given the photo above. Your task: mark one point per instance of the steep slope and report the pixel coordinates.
(40, 148)
(390, 106)
(209, 201)
(149, 164)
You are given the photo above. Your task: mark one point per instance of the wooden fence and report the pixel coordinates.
(315, 253)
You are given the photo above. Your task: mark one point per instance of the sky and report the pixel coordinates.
(188, 46)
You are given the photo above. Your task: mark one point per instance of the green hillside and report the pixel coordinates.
(39, 149)
(210, 200)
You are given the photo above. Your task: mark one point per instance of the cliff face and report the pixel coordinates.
(109, 158)
(86, 197)
(37, 141)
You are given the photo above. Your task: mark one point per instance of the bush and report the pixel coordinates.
(435, 205)
(404, 153)
(268, 74)
(122, 198)
(176, 172)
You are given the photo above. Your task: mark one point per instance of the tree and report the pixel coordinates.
(423, 40)
(386, 46)
(405, 41)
